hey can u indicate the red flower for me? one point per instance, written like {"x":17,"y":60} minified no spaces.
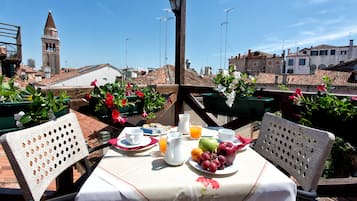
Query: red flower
{"x":117,"y":118}
{"x":259,"y":97}
{"x":144,"y":114}
{"x":129,"y":86}
{"x":354,"y":98}
{"x":298,"y":92}
{"x":109,"y":100}
{"x":292,"y":97}
{"x":321,"y":88}
{"x":94,"y":83}
{"x":87,"y":97}
{"x":123,"y":102}
{"x":139,"y":94}
{"x":208,"y":181}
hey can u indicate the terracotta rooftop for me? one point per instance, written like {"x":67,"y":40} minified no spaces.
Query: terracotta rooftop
{"x":166,"y":75}
{"x":338,"y":78}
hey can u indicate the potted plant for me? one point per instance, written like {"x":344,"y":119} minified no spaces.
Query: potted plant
{"x":234,"y":96}
{"x":337,"y":115}
{"x":114,"y":102}
{"x":26,"y":107}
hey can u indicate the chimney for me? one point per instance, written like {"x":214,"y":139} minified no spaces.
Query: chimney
{"x":239,"y":56}
{"x":350,"y":49}
{"x":274,"y":55}
{"x":288,"y":51}
{"x":249,"y":53}
{"x":297,"y":50}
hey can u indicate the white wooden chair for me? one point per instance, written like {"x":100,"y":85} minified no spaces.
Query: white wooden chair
{"x":299,"y":150}
{"x":39,"y":154}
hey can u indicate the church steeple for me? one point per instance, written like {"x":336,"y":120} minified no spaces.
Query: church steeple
{"x":50,"y":47}
{"x":50,"y":22}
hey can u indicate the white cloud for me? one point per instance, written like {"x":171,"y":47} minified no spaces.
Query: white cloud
{"x":307,"y":33}
{"x":318,"y":38}
{"x":317,"y":1}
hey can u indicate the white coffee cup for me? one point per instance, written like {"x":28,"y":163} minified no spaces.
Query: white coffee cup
{"x":134,"y":135}
{"x":226,"y":135}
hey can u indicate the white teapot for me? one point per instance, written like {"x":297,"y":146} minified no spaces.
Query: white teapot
{"x":175,"y":153}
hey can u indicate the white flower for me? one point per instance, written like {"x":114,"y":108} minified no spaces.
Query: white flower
{"x":230,"y":98}
{"x":19,"y":124}
{"x":237,"y":75}
{"x":19,"y":115}
{"x":225,"y":73}
{"x":221,"y":88}
{"x":51,"y":116}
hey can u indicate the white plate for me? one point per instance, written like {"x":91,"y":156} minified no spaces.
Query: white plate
{"x":123,"y":142}
{"x":155,"y":131}
{"x":226,"y":171}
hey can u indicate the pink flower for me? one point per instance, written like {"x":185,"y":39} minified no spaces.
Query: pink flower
{"x":139,"y":94}
{"x":321,"y":88}
{"x":128,"y":93}
{"x":117,"y":118}
{"x":144,"y":114}
{"x":354,"y":98}
{"x":208,"y":181}
{"x":109,"y":100}
{"x":292,"y":97}
{"x":94,"y":83}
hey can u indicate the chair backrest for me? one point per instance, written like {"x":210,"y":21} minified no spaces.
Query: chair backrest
{"x":300,"y":150}
{"x":40,"y":153}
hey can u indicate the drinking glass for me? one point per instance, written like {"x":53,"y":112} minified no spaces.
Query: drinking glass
{"x":195,"y":131}
{"x":163,"y":143}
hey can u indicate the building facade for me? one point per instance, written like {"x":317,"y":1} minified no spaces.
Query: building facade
{"x":323,"y":56}
{"x":256,"y":62}
{"x":298,"y":63}
{"x":50,"y":48}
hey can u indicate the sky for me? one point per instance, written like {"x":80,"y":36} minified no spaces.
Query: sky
{"x":134,"y":33}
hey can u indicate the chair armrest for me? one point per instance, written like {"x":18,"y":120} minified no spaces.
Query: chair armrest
{"x":99,"y":147}
{"x":306,"y":195}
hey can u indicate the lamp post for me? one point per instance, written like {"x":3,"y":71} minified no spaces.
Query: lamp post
{"x":225,"y":43}
{"x":126,"y":52}
{"x":179,"y":9}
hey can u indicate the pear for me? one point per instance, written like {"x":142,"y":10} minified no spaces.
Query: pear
{"x":208,"y":144}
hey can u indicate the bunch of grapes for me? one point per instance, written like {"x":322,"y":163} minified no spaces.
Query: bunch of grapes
{"x":211,"y":161}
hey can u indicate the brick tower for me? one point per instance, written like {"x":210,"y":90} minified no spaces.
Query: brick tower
{"x":50,"y":47}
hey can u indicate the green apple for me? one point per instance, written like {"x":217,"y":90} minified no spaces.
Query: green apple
{"x":208,"y":144}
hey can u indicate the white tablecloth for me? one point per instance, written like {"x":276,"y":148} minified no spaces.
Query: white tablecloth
{"x":145,"y":176}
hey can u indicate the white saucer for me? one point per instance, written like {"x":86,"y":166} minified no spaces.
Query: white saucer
{"x":124,"y":143}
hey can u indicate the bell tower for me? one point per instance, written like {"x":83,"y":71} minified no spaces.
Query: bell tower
{"x":50,"y":47}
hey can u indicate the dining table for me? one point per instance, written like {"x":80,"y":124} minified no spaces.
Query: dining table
{"x":143,"y":174}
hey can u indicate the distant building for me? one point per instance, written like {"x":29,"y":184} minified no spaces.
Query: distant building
{"x":256,"y":62}
{"x":298,"y":63}
{"x":82,"y":77}
{"x":50,"y":48}
{"x":323,"y":56}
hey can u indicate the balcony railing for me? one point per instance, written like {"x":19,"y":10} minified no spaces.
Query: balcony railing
{"x":188,"y":96}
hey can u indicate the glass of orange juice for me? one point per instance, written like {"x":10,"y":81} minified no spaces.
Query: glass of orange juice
{"x":195,"y":131}
{"x":163,"y":143}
